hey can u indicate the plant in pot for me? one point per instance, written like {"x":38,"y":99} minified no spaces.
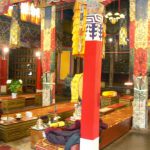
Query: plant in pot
{"x":14,"y":86}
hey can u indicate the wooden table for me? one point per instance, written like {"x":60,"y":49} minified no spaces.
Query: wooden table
{"x":10,"y":131}
{"x":18,"y":129}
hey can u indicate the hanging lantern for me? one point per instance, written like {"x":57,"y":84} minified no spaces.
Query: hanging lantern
{"x":114,"y":17}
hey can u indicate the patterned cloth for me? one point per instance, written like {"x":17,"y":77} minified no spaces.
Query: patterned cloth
{"x":4,"y":5}
{"x":48,"y":47}
{"x":79,"y":28}
{"x":45,"y":145}
{"x":140,"y":62}
{"x":75,"y":87}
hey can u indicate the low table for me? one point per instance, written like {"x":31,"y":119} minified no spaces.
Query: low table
{"x":35,"y":136}
{"x":18,"y":129}
{"x":14,"y":130}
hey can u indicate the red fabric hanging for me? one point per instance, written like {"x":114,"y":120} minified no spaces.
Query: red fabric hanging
{"x":4,"y":71}
{"x":46,"y":61}
{"x":140,"y":62}
{"x":39,"y":74}
{"x":132,"y":33}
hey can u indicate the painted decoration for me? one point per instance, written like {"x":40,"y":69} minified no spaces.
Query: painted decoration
{"x":139,"y":43}
{"x":94,"y":27}
{"x":46,"y":90}
{"x":48,"y":46}
{"x":140,"y":109}
{"x":48,"y":29}
{"x":80,"y":27}
{"x":52,"y":87}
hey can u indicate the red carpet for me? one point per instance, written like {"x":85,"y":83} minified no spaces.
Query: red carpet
{"x":6,"y":147}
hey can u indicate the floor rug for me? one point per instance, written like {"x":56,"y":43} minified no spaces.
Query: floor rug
{"x":6,"y":147}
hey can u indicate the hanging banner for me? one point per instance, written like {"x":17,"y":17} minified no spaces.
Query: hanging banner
{"x":15,"y":28}
{"x":79,"y":28}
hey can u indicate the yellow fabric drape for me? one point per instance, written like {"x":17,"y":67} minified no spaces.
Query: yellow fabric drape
{"x":123,"y":36}
{"x":75,"y":87}
{"x":14,"y":34}
{"x":79,"y":29}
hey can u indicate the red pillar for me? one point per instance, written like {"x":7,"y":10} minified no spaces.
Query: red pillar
{"x":91,"y":84}
{"x":4,"y":71}
{"x":39,"y":75}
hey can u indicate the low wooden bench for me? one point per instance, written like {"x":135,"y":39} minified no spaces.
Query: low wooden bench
{"x":126,"y":99}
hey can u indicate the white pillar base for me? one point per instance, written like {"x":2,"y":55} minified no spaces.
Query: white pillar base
{"x":86,"y":144}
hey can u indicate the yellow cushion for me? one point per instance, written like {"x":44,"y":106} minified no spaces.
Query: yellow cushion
{"x":109,"y":93}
